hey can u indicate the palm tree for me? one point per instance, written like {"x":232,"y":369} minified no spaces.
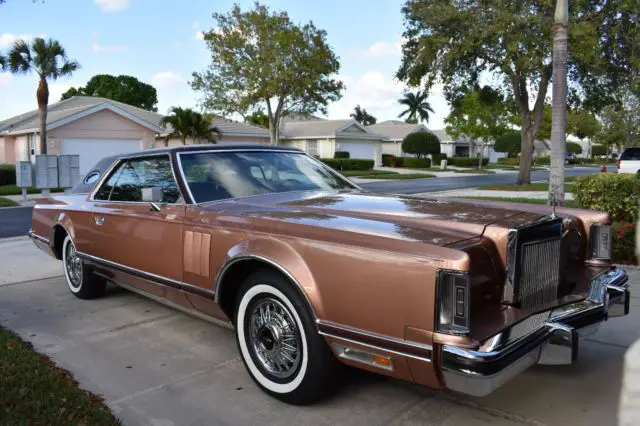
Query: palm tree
{"x":187,"y":123}
{"x":418,"y":108}
{"x":48,"y":59}
{"x":362,"y":116}
{"x":559,"y":104}
{"x":3,"y":63}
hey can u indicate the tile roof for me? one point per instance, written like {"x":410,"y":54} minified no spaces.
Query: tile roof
{"x":312,"y":128}
{"x":395,"y":129}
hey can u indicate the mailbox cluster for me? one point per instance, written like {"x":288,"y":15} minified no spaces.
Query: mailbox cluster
{"x":50,"y":171}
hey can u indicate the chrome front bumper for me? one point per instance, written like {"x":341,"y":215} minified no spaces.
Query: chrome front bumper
{"x":546,"y":338}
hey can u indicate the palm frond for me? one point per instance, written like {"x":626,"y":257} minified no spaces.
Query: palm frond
{"x":3,"y":62}
{"x":19,"y":59}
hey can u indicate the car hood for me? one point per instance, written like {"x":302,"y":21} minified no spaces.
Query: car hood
{"x":432,"y":221}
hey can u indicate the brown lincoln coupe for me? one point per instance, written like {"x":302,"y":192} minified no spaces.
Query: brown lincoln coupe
{"x":312,"y":271}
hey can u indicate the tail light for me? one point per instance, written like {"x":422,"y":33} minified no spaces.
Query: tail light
{"x":600,"y":241}
{"x":452,"y":313}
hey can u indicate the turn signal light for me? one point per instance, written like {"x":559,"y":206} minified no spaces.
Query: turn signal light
{"x":363,"y":357}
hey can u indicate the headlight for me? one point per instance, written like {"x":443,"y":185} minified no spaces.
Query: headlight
{"x":452,"y":312}
{"x":600,"y":241}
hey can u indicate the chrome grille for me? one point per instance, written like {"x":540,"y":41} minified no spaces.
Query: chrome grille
{"x":540,"y":272}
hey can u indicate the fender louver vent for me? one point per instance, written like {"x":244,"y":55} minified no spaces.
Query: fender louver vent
{"x":197,"y":246}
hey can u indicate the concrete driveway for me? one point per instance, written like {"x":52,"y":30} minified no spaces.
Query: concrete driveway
{"x":157,"y":366}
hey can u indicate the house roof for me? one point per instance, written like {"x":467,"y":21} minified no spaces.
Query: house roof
{"x":325,"y":129}
{"x":395,"y":129}
{"x":67,"y":110}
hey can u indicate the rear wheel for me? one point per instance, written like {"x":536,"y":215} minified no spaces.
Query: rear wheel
{"x":80,"y":280}
{"x":278,"y":341}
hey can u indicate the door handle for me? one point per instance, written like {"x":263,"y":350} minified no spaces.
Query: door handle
{"x":99,"y":220}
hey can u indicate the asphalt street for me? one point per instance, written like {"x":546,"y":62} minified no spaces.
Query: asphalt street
{"x":16,"y":221}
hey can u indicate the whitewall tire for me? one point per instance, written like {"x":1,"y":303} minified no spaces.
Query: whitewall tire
{"x":278,"y":342}
{"x":80,"y":280}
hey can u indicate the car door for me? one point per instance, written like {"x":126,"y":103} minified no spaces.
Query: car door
{"x":141,"y":242}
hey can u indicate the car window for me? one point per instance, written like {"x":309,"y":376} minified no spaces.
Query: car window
{"x":631,"y":154}
{"x":220,"y":175}
{"x":131,"y":176}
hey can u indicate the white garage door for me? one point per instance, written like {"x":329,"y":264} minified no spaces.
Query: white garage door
{"x":364,"y":150}
{"x":93,"y":150}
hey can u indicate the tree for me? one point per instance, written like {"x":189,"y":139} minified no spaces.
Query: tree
{"x":509,"y":143}
{"x":261,"y":58}
{"x":3,"y":63}
{"x":455,"y":42}
{"x":574,"y":148}
{"x":258,"y":118}
{"x":48,"y":59}
{"x":418,"y":108}
{"x":121,"y":88}
{"x":187,"y":123}
{"x":620,"y":123}
{"x":421,"y":144}
{"x":598,"y":150}
{"x":559,"y":104}
{"x":584,"y":125}
{"x":362,"y":116}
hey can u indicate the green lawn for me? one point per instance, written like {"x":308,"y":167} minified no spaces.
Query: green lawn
{"x":5,"y":202}
{"x":366,"y":172}
{"x":568,"y":203}
{"x":16,"y":190}
{"x":33,"y":391}
{"x":500,"y":167}
{"x":538,"y":186}
{"x":480,"y":171}
{"x":398,"y":176}
{"x":430,"y":169}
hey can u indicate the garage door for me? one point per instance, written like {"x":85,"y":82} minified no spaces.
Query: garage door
{"x":364,"y":150}
{"x":93,"y":150}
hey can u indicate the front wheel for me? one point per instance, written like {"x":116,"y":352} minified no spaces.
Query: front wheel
{"x":279,"y":343}
{"x":80,"y":280}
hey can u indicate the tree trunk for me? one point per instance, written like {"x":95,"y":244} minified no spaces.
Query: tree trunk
{"x":558,"y":114}
{"x":42,"y":94}
{"x":526,"y":151}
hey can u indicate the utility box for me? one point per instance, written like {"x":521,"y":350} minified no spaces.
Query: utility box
{"x":24,"y":174}
{"x":68,"y":170}
{"x":46,"y":171}
{"x":443,"y":164}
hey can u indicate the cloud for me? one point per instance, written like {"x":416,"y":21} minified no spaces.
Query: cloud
{"x":379,"y":95}
{"x":104,"y":48}
{"x":378,"y":49}
{"x":95,"y":33}
{"x":199,"y":35}
{"x":112,"y":5}
{"x":5,"y":79}
{"x":167,"y":78}
{"x":57,"y":89}
{"x":195,"y":25}
{"x":7,"y":39}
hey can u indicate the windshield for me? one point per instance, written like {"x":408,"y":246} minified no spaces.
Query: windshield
{"x":220,"y":175}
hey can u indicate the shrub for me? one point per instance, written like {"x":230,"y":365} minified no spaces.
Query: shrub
{"x":467,"y":161}
{"x":509,"y":161}
{"x":416,"y":163}
{"x":616,"y":194}
{"x":421,"y":144}
{"x":624,"y":242}
{"x":573,"y":147}
{"x":436,"y":159}
{"x":341,"y":154}
{"x":7,"y":174}
{"x":348,"y":163}
{"x":541,"y":161}
{"x":389,"y":160}
{"x":509,"y":143}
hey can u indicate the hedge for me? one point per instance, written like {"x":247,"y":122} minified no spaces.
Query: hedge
{"x":412,"y":162}
{"x":348,"y":163}
{"x":598,"y":150}
{"x":341,"y":154}
{"x":466,"y":161}
{"x":436,"y":159}
{"x":616,"y":194}
{"x":509,"y":161}
{"x":389,"y":160}
{"x":541,"y":161}
{"x":421,"y":143}
{"x":7,"y":174}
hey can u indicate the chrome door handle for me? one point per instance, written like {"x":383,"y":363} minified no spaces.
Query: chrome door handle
{"x":99,"y":220}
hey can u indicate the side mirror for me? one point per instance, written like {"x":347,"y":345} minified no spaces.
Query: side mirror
{"x":152,"y":195}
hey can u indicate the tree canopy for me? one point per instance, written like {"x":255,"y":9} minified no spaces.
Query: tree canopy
{"x":258,"y":118}
{"x":508,"y":143}
{"x":121,"y":88}
{"x":574,"y":148}
{"x":362,"y":116}
{"x":260,"y":58}
{"x":455,"y":42}
{"x":421,"y":144}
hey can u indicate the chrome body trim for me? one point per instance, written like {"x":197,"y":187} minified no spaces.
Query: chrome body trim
{"x":282,"y":269}
{"x":375,"y":347}
{"x":38,"y":237}
{"x":153,"y":278}
{"x":555,"y":341}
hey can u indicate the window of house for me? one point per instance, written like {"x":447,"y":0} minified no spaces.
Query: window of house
{"x":312,"y":147}
{"x":131,"y":176}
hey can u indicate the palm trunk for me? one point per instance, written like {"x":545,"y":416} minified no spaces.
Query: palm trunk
{"x":558,"y":110}
{"x":42,"y":94}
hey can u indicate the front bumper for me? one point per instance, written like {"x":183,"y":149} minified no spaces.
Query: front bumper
{"x":546,"y":338}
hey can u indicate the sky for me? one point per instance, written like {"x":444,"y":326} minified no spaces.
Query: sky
{"x":160,"y":42}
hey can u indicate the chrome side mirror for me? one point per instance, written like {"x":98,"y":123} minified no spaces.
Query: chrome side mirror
{"x":152,"y":195}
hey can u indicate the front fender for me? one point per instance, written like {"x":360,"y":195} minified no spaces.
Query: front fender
{"x":281,"y":256}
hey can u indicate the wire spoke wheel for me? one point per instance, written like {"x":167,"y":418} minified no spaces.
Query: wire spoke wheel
{"x":73,"y":265}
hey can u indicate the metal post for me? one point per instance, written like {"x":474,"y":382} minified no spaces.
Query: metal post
{"x":24,"y":194}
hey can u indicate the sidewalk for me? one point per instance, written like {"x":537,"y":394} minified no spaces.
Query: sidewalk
{"x":21,"y":261}
{"x":475,"y":192}
{"x":449,"y":173}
